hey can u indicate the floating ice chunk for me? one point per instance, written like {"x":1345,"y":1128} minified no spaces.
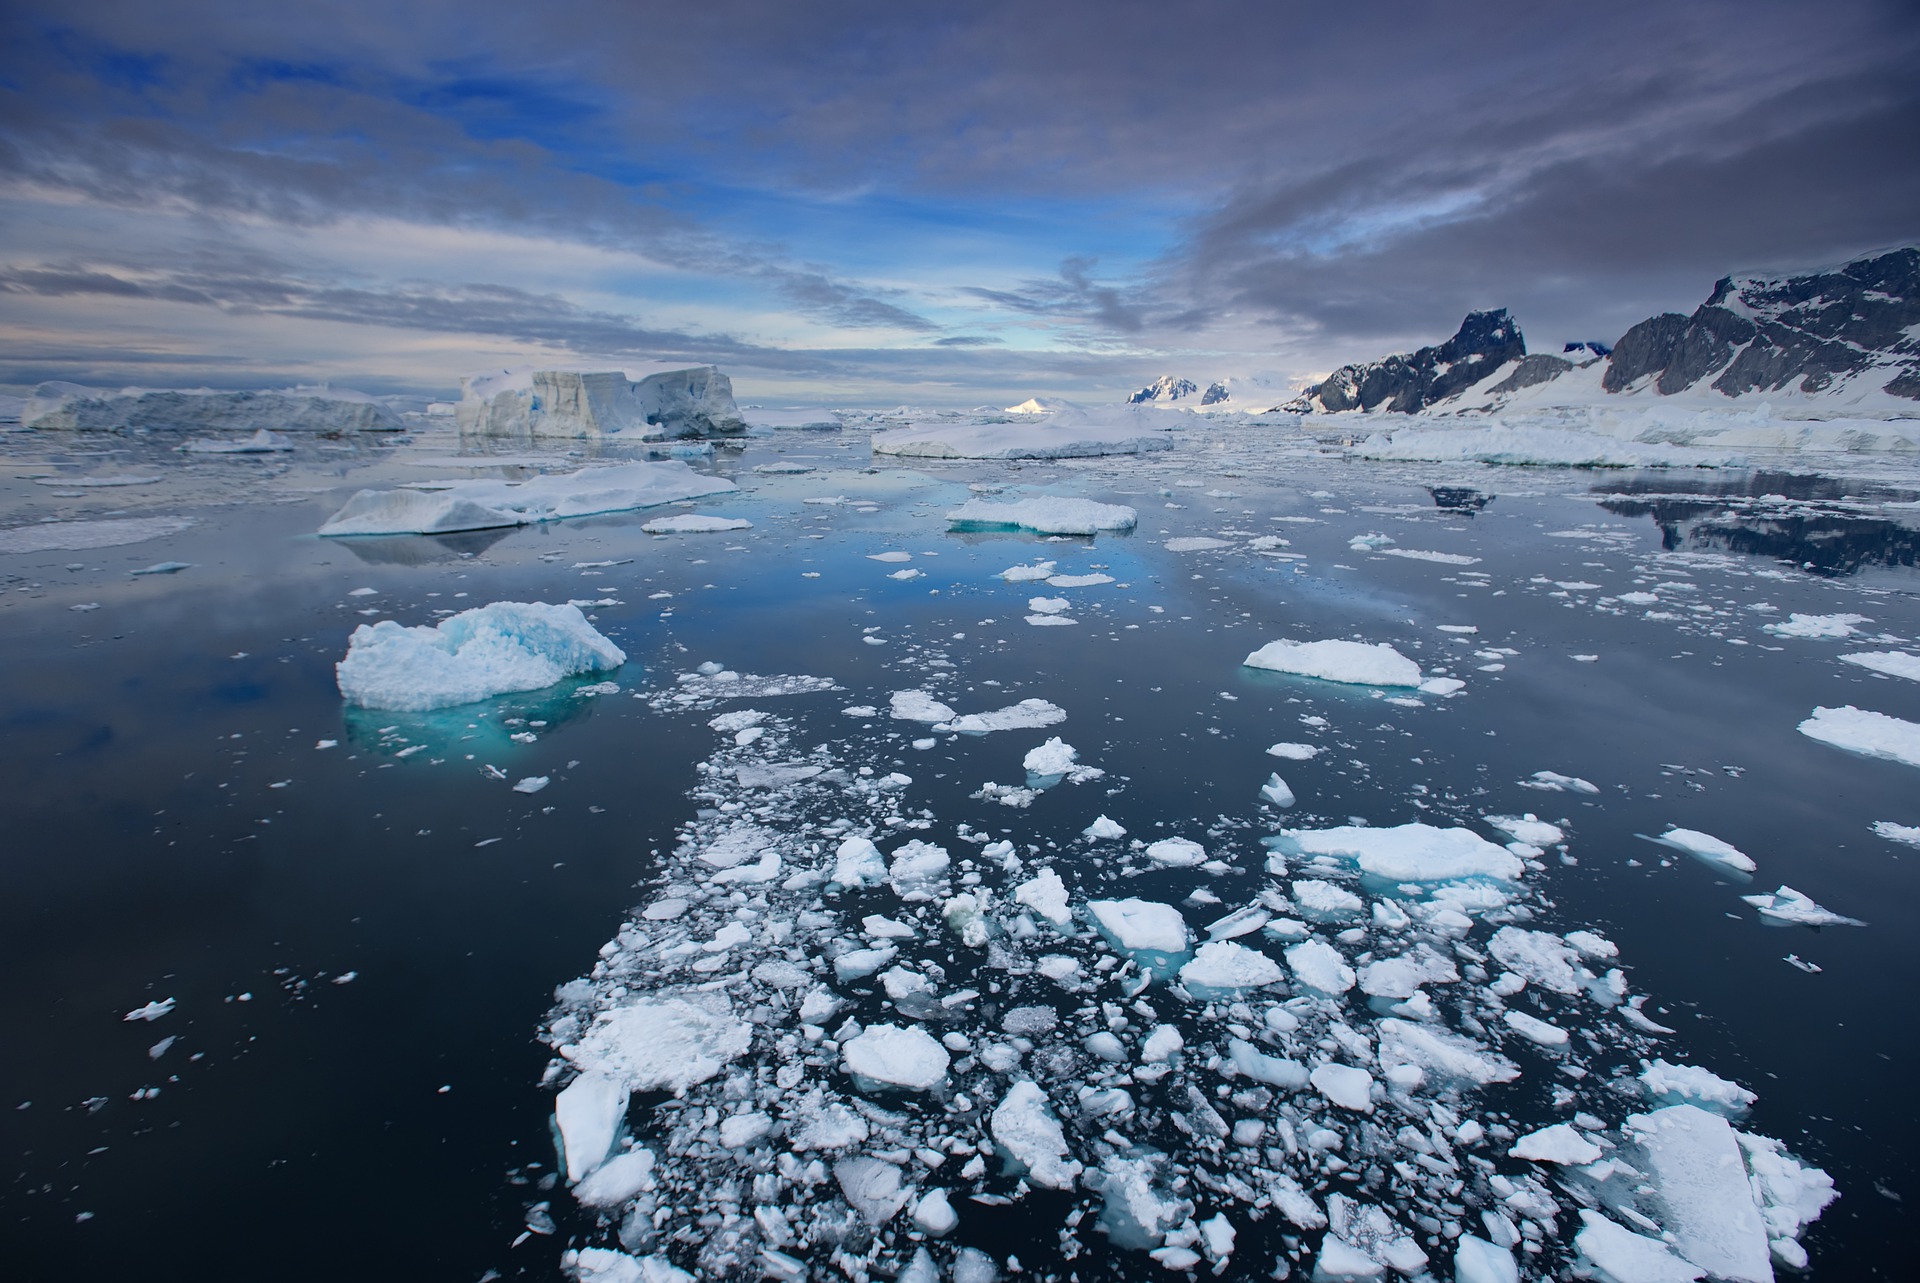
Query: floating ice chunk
{"x":1789,"y":905}
{"x":1275,"y":790}
{"x":1867,"y":733}
{"x":892,"y":556}
{"x":1078,"y":581}
{"x":604,"y":1265}
{"x":1448,"y":1055}
{"x":1177,"y":853}
{"x":662,"y":1044}
{"x":1197,"y":543}
{"x":1161,"y":1045}
{"x":1559,"y":1143}
{"x":533,"y":784}
{"x":918,"y":871}
{"x":918,"y":706}
{"x":892,"y":1056}
{"x":1353,"y":662}
{"x":1475,"y":1260}
{"x":1554,"y":782}
{"x":1535,"y":1029}
{"x":479,"y":505}
{"x":1344,"y":1085}
{"x":1409,"y":852}
{"x":1047,"y":514}
{"x":1443,"y":558}
{"x":1625,"y":1257}
{"x":588,"y":1111}
{"x":492,"y":650}
{"x":1402,"y":977}
{"x":1134,"y":1214}
{"x":81,"y":536}
{"x":162,"y":568}
{"x":1294,"y":752}
{"x":1221,"y":968}
{"x":1340,"y":1259}
{"x":873,"y":1188}
{"x":1027,"y":715}
{"x":1026,"y":1129}
{"x":858,"y":964}
{"x":1692,"y":1085}
{"x":1792,"y":1194}
{"x":1028,"y":574}
{"x":934,"y":1213}
{"x":1239,"y":923}
{"x":1538,"y":957}
{"x":1141,"y":925}
{"x":1441,"y":686}
{"x":1324,"y":901}
{"x":1055,"y":757}
{"x":1103,"y":829}
{"x":1047,"y":605}
{"x":1373,"y":1232}
{"x":1051,"y":621}
{"x":1706,"y":847}
{"x":1320,"y":966}
{"x":1694,"y":1161}
{"x":858,"y":862}
{"x":617,"y":1179}
{"x":1275,"y":1071}
{"x":152,"y":1011}
{"x":1818,"y":627}
{"x":1528,"y":828}
{"x":744,"y":1130}
{"x":826,"y":1125}
{"x":1046,"y":895}
{"x":1894,"y":663}
{"x":1907,"y":833}
{"x":693,"y":523}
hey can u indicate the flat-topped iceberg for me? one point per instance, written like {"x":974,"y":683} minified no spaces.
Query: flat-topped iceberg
{"x":1408,"y":852}
{"x":1867,"y":733}
{"x":1065,"y":435}
{"x":694,"y":402}
{"x":491,"y":650}
{"x":70,"y":407}
{"x":482,"y":505}
{"x":1356,"y":663}
{"x":1047,"y":514}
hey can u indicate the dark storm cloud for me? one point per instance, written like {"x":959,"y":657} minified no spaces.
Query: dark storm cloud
{"x":1344,"y":173}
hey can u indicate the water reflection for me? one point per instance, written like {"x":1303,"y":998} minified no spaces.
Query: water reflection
{"x":1828,"y":526}
{"x":421,"y":550}
{"x":1461,"y":499}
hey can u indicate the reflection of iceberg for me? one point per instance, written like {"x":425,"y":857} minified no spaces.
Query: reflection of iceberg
{"x":421,"y":550}
{"x":492,"y":650}
{"x":485,"y":730}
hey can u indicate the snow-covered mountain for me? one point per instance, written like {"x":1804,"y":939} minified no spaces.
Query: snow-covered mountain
{"x":1165,"y":390}
{"x":1485,"y":342}
{"x":1842,"y":338}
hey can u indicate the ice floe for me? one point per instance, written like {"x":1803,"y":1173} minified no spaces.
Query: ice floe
{"x":1357,"y":663}
{"x":1787,"y":905}
{"x":479,"y":505}
{"x":1708,"y":849}
{"x":491,"y":650}
{"x":1865,"y":732}
{"x":1047,"y":514}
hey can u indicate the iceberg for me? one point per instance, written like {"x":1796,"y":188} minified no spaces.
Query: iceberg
{"x":1338,"y":661}
{"x":1867,"y":733}
{"x":1413,"y":852}
{"x":1047,"y":514}
{"x":491,"y":650}
{"x":694,"y":402}
{"x":479,"y":505}
{"x":1789,"y":905}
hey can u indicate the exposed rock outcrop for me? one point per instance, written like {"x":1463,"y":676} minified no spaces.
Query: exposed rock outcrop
{"x":1164,"y":390}
{"x":1414,"y":381}
{"x":696,"y":402}
{"x":1757,"y":334}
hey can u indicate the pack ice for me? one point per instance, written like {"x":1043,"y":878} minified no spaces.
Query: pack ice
{"x":491,"y":650}
{"x":1047,"y":514}
{"x":906,"y":1034}
{"x":1062,"y":435}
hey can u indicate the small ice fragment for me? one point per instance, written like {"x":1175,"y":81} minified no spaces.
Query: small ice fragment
{"x":1535,"y":1029}
{"x":1275,"y":790}
{"x":1294,"y":752}
{"x":1176,"y":853}
{"x":1818,"y":627}
{"x":152,"y":1011}
{"x":1103,"y":829}
{"x":1046,"y":895}
{"x":1559,"y":1143}
{"x":1789,"y":905}
{"x":1345,"y":1085}
{"x":1706,"y":847}
{"x":532,"y":784}
{"x":934,"y":1213}
{"x":1690,"y":1084}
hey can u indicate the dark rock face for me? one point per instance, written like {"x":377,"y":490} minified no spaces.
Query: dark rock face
{"x":1164,"y":388}
{"x":1756,"y":335}
{"x":1534,"y":370}
{"x":1215,"y":394}
{"x":1485,"y":341}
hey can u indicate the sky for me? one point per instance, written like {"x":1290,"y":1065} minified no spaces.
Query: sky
{"x":928,"y":203}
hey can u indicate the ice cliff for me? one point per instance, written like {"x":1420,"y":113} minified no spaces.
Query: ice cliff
{"x":695,"y":402}
{"x":72,"y":407}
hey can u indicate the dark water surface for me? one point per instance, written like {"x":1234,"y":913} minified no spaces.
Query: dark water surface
{"x":172,"y":831}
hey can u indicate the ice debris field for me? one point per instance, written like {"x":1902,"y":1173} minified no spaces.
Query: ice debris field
{"x":963,"y":961}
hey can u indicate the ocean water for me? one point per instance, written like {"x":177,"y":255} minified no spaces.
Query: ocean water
{"x":363,"y":942}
